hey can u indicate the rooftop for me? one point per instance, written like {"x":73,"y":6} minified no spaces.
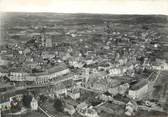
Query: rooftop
{"x":64,"y":77}
{"x":57,"y":68}
{"x":139,"y":85}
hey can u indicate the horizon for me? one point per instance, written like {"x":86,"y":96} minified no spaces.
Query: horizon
{"x":3,"y":12}
{"x":87,"y":6}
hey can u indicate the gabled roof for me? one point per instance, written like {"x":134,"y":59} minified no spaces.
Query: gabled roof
{"x":139,"y":85}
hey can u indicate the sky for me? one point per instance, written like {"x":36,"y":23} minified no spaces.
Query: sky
{"x":87,"y":6}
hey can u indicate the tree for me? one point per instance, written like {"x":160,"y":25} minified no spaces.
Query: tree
{"x":58,"y":105}
{"x":15,"y":105}
{"x":43,"y":98}
{"x":27,"y":100}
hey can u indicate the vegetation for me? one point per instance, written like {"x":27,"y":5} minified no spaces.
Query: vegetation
{"x":27,"y":100}
{"x":58,"y":105}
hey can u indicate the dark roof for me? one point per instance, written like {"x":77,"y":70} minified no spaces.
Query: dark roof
{"x":107,"y":93}
{"x":66,"y":76}
{"x":57,"y":68}
{"x":139,"y":84}
{"x":3,"y":70}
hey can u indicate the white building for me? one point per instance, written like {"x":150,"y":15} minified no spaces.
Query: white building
{"x":18,"y":76}
{"x":34,"y":104}
{"x":138,"y":90}
{"x":131,"y":108}
{"x":50,"y":73}
{"x":69,"y":109}
{"x":3,"y":73}
{"x":3,"y":62}
{"x":48,"y":42}
{"x":160,"y":64}
{"x":162,"y":67}
{"x":76,"y":64}
{"x":117,"y":71}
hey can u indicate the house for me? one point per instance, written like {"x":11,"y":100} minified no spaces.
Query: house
{"x":160,"y":65}
{"x":26,"y":51}
{"x":59,"y":90}
{"x":163,"y":67}
{"x":69,"y":109}
{"x":81,"y":106}
{"x":130,"y":108}
{"x":138,"y":90}
{"x":46,"y":55}
{"x":49,"y":42}
{"x":74,"y":94}
{"x":58,"y":70}
{"x":4,"y":104}
{"x":78,"y":80}
{"x":90,"y":113}
{"x":3,"y":72}
{"x":121,"y":89}
{"x":3,"y":62}
{"x":34,"y":104}
{"x":18,"y":97}
{"x":84,"y":111}
{"x":106,"y":97}
{"x":18,"y":76}
{"x":76,"y":64}
{"x":51,"y":73}
{"x":7,"y":97}
{"x":123,"y":61}
{"x":67,"y":56}
{"x":100,"y":85}
{"x":117,"y":71}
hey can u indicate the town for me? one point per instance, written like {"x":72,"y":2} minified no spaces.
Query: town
{"x":83,"y":67}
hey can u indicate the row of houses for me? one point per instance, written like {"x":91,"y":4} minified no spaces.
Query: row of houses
{"x":49,"y":74}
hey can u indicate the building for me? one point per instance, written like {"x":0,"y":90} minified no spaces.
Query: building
{"x":117,"y":71}
{"x":3,"y":62}
{"x":59,"y":90}
{"x":76,"y":64}
{"x":3,"y":72}
{"x":99,"y":86}
{"x":81,"y":106}
{"x":121,"y":89}
{"x":5,"y":104}
{"x":7,"y":97}
{"x":162,"y":67}
{"x":58,"y":70}
{"x":48,"y":42}
{"x":69,"y":109}
{"x":74,"y":94}
{"x":83,"y":110}
{"x":138,"y":90}
{"x":47,"y":55}
{"x":34,"y":104}
{"x":106,"y":97}
{"x":90,"y":113}
{"x":19,"y":76}
{"x":131,"y":108}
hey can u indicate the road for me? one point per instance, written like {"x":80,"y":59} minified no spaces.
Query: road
{"x":45,"y":112}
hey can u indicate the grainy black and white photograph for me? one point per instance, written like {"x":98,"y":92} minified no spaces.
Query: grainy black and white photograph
{"x":84,"y":58}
